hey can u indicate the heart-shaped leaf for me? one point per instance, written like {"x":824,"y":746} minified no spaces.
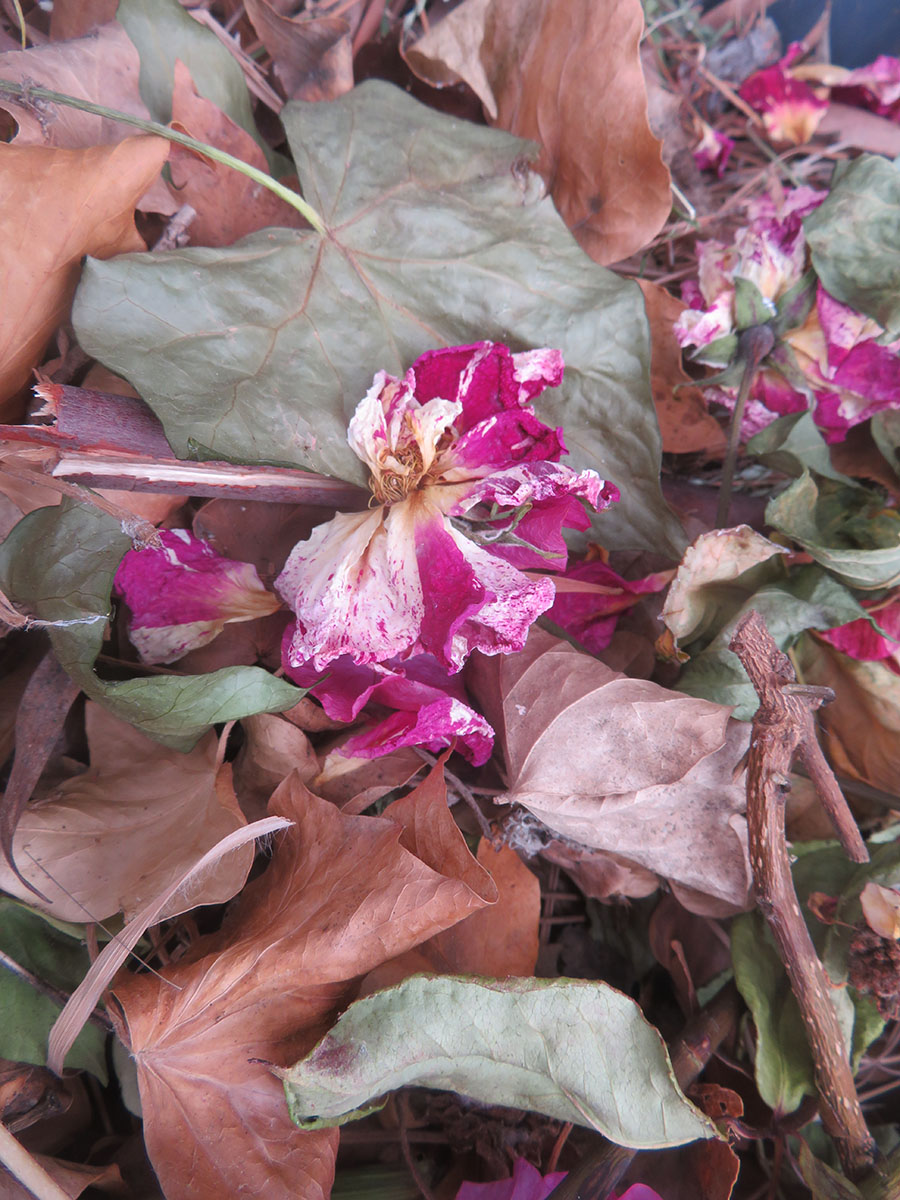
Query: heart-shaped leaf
{"x":438,"y":233}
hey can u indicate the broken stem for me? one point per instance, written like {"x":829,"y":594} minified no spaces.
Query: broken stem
{"x":783,"y":726}
{"x":755,"y":343}
{"x":28,"y":92}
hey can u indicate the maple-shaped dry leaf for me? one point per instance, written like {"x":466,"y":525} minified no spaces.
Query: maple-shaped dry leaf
{"x":57,"y":206}
{"x":228,"y":204}
{"x":103,"y":68}
{"x":110,"y":839}
{"x":312,"y":53}
{"x":499,"y":941}
{"x":623,"y":765}
{"x":342,"y":895}
{"x":569,"y":76}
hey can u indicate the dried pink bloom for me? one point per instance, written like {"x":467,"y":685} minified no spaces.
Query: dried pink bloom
{"x":183,"y":595}
{"x":469,"y":490}
{"x":842,"y":371}
{"x":431,"y":707}
{"x":791,"y":108}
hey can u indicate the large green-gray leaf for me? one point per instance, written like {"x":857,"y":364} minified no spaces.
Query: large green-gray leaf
{"x":58,"y":959}
{"x":794,"y":444}
{"x":162,"y":32}
{"x":854,"y":237}
{"x":849,"y":530}
{"x":58,"y":565}
{"x":439,"y":234}
{"x":808,"y":599}
{"x":574,"y":1050}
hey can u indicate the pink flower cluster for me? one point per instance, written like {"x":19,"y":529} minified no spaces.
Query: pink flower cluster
{"x":791,"y":99}
{"x":832,"y":362}
{"x":389,"y":603}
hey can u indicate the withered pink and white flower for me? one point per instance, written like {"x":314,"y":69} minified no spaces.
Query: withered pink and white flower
{"x":183,"y":594}
{"x":838,"y":366}
{"x":469,"y":490}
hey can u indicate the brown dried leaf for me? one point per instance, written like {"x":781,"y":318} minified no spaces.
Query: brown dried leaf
{"x":622,"y":765}
{"x":342,"y":895}
{"x":45,"y":704}
{"x":862,"y":129}
{"x":881,"y":908}
{"x":686,"y":425}
{"x":601,"y":875}
{"x":74,"y":18}
{"x":228,"y":204}
{"x":355,"y":783}
{"x":569,"y":76}
{"x":312,"y":53}
{"x":103,"y":69}
{"x":272,"y":749}
{"x":57,"y":206}
{"x":72,"y":1178}
{"x":111,"y":838}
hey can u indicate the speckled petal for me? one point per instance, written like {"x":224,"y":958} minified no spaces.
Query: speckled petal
{"x":442,"y":723}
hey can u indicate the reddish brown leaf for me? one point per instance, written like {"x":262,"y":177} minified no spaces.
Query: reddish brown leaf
{"x":686,"y":425}
{"x":59,"y":205}
{"x":312,"y":54}
{"x":623,"y":765}
{"x":342,"y":895}
{"x":45,"y":703}
{"x":569,"y":76}
{"x":228,"y":204}
{"x":74,"y":18}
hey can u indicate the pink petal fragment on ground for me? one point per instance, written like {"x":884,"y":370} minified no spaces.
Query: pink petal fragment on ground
{"x":525,"y":1183}
{"x":182,"y":595}
{"x":442,"y":723}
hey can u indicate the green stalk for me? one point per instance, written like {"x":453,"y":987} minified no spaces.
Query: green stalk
{"x":26,"y":92}
{"x":753,"y":346}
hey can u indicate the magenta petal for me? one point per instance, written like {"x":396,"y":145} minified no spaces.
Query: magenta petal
{"x":451,"y":591}
{"x":860,"y":640}
{"x":183,"y":594}
{"x":505,"y":438}
{"x":591,"y":617}
{"x":526,"y":1183}
{"x":442,"y":723}
{"x":640,"y":1191}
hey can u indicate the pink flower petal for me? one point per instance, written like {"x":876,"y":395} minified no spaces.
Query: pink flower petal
{"x":442,"y":723}
{"x":591,"y":617}
{"x":713,"y":150}
{"x":790,"y":109}
{"x":526,"y":1183}
{"x":875,"y":87}
{"x":182,"y":595}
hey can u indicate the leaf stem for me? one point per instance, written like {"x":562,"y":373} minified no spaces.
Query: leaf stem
{"x":755,"y":343}
{"x":27,"y":92}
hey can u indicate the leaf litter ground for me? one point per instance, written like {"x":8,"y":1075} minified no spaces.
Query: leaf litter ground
{"x":512,"y":943}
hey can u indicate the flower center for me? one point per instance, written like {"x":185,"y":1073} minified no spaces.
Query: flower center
{"x":392,"y":485}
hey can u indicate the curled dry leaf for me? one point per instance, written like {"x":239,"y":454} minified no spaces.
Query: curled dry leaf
{"x":498,"y":942}
{"x":272,"y":749}
{"x":312,"y":53}
{"x":687,"y":427}
{"x":623,"y":765}
{"x":110,"y":839}
{"x":881,"y":908}
{"x":228,"y":204}
{"x":342,"y":895}
{"x":532,"y":64}
{"x":59,"y":205}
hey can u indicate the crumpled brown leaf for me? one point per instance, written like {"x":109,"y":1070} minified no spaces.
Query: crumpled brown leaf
{"x":228,"y":204}
{"x":686,"y":425}
{"x":59,"y":205}
{"x":623,"y":765}
{"x":342,"y":895}
{"x":312,"y":52}
{"x":569,"y":76}
{"x":271,"y":750}
{"x":110,"y":839}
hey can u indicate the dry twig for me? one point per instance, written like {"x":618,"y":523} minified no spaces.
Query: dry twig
{"x":783,"y":726}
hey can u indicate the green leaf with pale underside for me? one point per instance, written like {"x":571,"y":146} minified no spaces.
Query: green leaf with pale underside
{"x":58,"y":565}
{"x":574,"y":1050}
{"x":854,"y":237}
{"x":439,"y":234}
